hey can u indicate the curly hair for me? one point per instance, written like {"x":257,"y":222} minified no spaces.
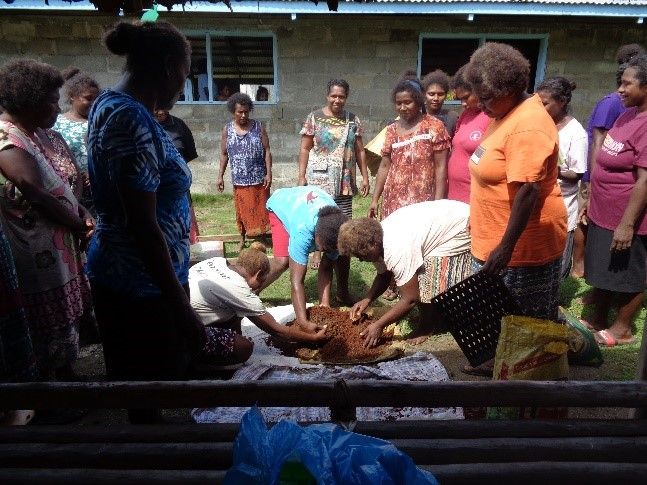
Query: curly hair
{"x":639,"y":64}
{"x":76,"y":82}
{"x":459,"y":81}
{"x":627,"y":51}
{"x":147,"y":46}
{"x":327,"y":229}
{"x":241,"y":99}
{"x":496,"y":70}
{"x":438,"y":77}
{"x":254,"y":260}
{"x":559,"y":88}
{"x":360,"y":237}
{"x":25,"y":85}
{"x":341,"y":83}
{"x":411,"y":86}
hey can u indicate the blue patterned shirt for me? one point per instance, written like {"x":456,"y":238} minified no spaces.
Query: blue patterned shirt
{"x":127,"y":145}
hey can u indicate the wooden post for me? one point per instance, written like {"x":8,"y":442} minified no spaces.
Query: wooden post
{"x":641,"y":374}
{"x":342,"y":411}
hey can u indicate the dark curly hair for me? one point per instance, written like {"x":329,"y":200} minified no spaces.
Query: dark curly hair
{"x":436,"y":77}
{"x":25,"y":85}
{"x":496,"y":70}
{"x":76,"y":82}
{"x":341,"y":83}
{"x":411,"y":86}
{"x":559,"y":88}
{"x":639,"y":63}
{"x":359,"y":237}
{"x":459,"y":81}
{"x":327,"y":229}
{"x":146,"y":46}
{"x":627,"y":51}
{"x":241,"y":99}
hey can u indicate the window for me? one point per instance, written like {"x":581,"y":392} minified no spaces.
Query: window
{"x":223,"y":64}
{"x":449,"y":52}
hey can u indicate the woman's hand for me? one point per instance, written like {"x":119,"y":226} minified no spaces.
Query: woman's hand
{"x":301,"y":336}
{"x":372,"y":209}
{"x":267,"y":181}
{"x":498,"y":260}
{"x":359,"y":308}
{"x":307,"y":326}
{"x":86,"y":233}
{"x":302,"y":181}
{"x":582,"y":216}
{"x":622,"y":237}
{"x":221,"y":183}
{"x":372,"y":335}
{"x":364,"y":190}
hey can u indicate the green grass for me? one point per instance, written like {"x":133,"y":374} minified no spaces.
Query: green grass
{"x":216,"y":215}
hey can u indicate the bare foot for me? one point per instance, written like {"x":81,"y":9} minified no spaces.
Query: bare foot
{"x":417,"y":340}
{"x":315,"y":260}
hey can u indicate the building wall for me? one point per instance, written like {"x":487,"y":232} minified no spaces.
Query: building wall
{"x":368,"y":51}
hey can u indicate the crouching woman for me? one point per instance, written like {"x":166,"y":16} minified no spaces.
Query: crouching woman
{"x":222,"y":293}
{"x":425,"y":247}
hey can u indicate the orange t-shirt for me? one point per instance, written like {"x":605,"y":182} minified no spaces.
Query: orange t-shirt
{"x":521,"y":147}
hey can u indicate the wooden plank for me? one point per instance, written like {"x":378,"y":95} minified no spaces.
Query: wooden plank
{"x":95,"y":476}
{"x":641,"y":374}
{"x":430,"y":429}
{"x":218,"y":456}
{"x":540,"y":473}
{"x":206,"y":393}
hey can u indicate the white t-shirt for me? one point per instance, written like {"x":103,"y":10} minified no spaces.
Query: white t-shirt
{"x":415,"y":232}
{"x":573,"y":154}
{"x":219,"y":294}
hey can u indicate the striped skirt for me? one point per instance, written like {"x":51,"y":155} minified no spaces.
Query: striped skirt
{"x":441,"y":273}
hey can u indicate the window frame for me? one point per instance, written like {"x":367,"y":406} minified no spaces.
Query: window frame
{"x":209,"y":34}
{"x":541,"y":58}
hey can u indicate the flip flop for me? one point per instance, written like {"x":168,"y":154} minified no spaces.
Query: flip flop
{"x":607,"y":339}
{"x":477,"y":371}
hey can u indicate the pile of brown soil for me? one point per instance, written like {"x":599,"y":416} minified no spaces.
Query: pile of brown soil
{"x":345,"y":343}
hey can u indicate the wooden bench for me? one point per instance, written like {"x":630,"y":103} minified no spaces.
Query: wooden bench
{"x":456,"y":451}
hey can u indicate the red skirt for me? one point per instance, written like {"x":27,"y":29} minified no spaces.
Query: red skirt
{"x":251,"y":213}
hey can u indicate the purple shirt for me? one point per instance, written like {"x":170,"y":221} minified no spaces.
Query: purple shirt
{"x":603,"y":117}
{"x":614,"y":177}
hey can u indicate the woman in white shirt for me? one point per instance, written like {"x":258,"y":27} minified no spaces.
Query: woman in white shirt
{"x":555,"y":93}
{"x":425,"y":247}
{"x":222,"y":293}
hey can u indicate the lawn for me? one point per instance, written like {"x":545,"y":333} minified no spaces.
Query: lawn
{"x":216,"y":215}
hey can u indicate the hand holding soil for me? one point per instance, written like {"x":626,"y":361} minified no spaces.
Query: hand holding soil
{"x":372,"y":335}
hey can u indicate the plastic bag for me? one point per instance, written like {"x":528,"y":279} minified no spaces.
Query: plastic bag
{"x":331,"y":455}
{"x":534,"y":350}
{"x":582,"y":347}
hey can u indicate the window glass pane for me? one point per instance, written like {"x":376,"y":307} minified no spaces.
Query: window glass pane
{"x":446,"y":54}
{"x":530,"y":50}
{"x":243,"y":64}
{"x":196,"y":87}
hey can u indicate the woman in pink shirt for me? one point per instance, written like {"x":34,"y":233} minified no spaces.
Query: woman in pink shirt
{"x":616,"y":246}
{"x":470,"y":129}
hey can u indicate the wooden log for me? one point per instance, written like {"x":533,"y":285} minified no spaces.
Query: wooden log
{"x":162,"y":456}
{"x":429,"y":429}
{"x":10,"y":476}
{"x":540,"y":473}
{"x":49,"y":395}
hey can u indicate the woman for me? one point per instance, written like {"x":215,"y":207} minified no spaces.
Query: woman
{"x":436,"y":86}
{"x":138,"y":259}
{"x":555,"y":94}
{"x":222,"y":293}
{"x":470,"y":128}
{"x":331,"y":146}
{"x":183,"y":140}
{"x":425,"y":247}
{"x":245,"y":145}
{"x":617,"y":229}
{"x":81,"y":90}
{"x":517,"y":215}
{"x":41,"y":217}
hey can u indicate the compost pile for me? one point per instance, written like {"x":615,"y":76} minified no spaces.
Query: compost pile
{"x":344,"y":345}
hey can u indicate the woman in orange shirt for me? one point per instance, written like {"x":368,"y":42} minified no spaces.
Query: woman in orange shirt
{"x":517,"y":216}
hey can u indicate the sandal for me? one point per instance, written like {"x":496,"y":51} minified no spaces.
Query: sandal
{"x":606,"y":339}
{"x":479,"y":370}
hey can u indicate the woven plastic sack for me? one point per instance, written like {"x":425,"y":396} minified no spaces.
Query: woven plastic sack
{"x":530,"y":349}
{"x":330,"y":454}
{"x":582,"y":347}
